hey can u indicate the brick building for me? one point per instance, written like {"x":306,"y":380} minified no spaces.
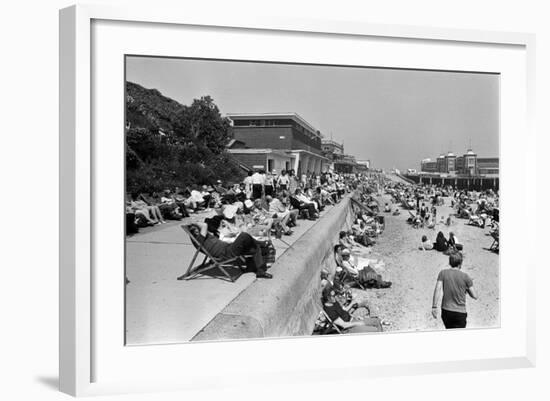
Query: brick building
{"x":277,"y":140}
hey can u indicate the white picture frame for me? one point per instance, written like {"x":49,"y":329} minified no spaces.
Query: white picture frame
{"x":82,"y":344}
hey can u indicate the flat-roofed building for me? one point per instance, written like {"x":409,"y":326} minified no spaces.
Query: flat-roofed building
{"x":284,"y":132}
{"x":468,"y":164}
{"x":488,"y":165}
{"x":428,"y":166}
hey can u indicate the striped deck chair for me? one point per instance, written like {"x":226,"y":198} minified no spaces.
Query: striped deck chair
{"x":209,"y":262}
{"x":327,"y":326}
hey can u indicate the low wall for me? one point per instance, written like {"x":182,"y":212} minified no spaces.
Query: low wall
{"x":288,"y":304}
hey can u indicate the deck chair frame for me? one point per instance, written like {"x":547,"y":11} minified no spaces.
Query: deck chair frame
{"x":209,"y":262}
{"x":344,"y":274}
{"x":331,"y":324}
{"x":495,"y":245}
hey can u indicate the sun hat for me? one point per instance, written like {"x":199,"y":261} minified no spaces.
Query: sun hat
{"x":346,"y":251}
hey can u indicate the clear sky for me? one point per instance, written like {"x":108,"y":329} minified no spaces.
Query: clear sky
{"x":395,"y":118}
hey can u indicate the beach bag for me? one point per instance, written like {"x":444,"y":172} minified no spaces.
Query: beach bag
{"x":268,"y":251}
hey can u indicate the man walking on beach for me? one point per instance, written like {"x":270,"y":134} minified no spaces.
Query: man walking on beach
{"x":454,"y":284}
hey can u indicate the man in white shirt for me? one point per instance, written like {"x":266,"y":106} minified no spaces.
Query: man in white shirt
{"x":257,"y":184}
{"x":282,"y":181}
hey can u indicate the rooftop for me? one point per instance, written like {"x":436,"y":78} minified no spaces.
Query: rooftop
{"x":290,"y":115}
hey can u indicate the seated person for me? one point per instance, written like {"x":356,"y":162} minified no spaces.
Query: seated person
{"x":281,"y":213}
{"x":349,"y":243}
{"x":169,"y":207}
{"x":180,"y":200}
{"x":325,"y":196}
{"x":387,"y":208}
{"x":303,"y":198}
{"x":152,"y":212}
{"x":453,"y":242}
{"x":441,"y":243}
{"x":347,"y":263}
{"x":426,"y":245}
{"x":361,"y":233}
{"x":261,"y":218}
{"x":139,"y":216}
{"x":343,"y":319}
{"x":244,"y":245}
{"x":196,"y":198}
{"x":315,"y":197}
{"x":308,"y":208}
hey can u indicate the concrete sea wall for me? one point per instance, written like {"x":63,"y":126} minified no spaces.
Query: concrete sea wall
{"x":288,"y":304}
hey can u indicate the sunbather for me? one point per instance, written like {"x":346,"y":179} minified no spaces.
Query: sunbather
{"x":343,"y":319}
{"x":243,"y":245}
{"x":151,"y":211}
{"x":426,"y":245}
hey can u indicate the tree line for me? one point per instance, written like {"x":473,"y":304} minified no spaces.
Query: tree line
{"x":169,"y":144}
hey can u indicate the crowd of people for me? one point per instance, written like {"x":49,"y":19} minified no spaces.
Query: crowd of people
{"x":480,"y":208}
{"x":267,"y":204}
{"x":245,"y":215}
{"x":277,"y":192}
{"x":353,"y":267}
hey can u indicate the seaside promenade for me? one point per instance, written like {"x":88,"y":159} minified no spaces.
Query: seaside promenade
{"x":163,"y":310}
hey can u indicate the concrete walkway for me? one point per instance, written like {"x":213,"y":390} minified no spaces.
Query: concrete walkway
{"x":163,"y":310}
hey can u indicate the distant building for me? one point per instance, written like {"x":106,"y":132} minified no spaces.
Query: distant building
{"x":468,"y":164}
{"x":277,"y":140}
{"x":332,"y":148}
{"x":428,"y":166}
{"x":488,"y":165}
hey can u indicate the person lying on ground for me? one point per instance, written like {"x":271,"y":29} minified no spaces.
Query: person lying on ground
{"x":343,"y":319}
{"x":450,"y":291}
{"x":244,"y":245}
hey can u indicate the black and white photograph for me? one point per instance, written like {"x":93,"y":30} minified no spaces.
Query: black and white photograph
{"x":273,"y":200}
